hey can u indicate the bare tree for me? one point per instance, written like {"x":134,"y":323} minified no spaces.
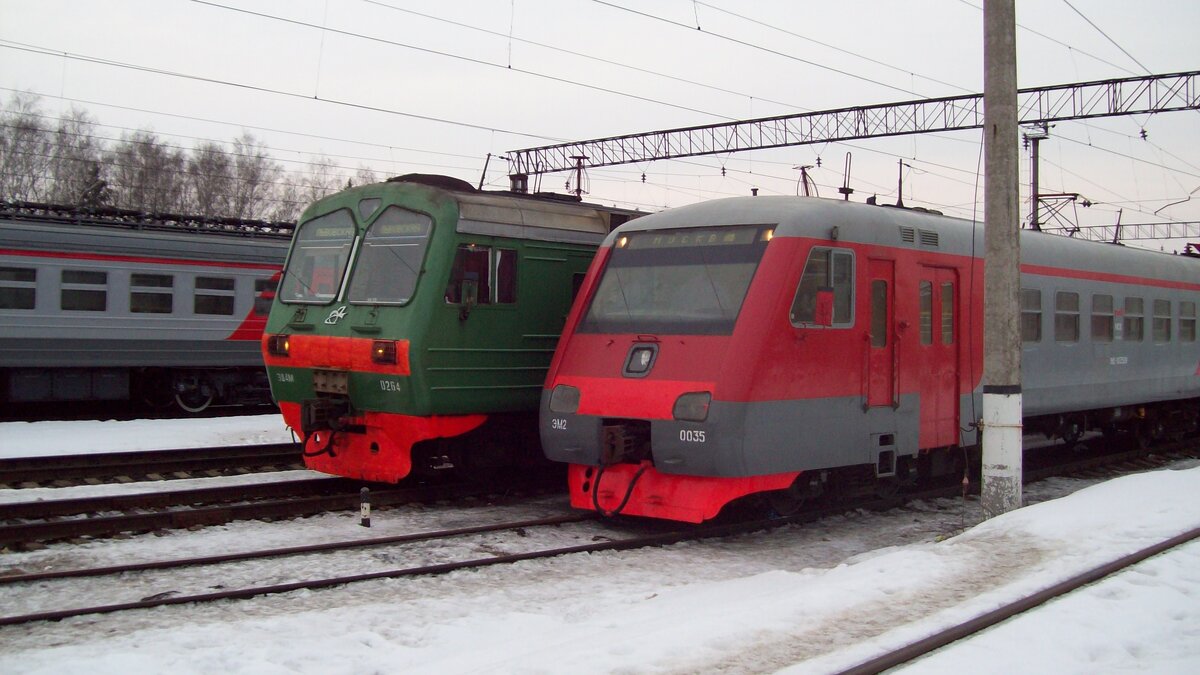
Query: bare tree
{"x":210,"y":180}
{"x":255,"y":175}
{"x":323,"y":178}
{"x":365,"y":176}
{"x":25,"y":149}
{"x":147,"y":174}
{"x":75,"y":163}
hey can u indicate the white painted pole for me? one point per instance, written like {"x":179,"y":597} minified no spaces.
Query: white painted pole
{"x":1002,"y":461}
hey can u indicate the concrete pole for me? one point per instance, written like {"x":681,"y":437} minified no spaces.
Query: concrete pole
{"x":1002,"y":465}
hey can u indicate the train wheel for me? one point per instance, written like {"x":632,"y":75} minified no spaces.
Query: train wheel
{"x":194,"y":401}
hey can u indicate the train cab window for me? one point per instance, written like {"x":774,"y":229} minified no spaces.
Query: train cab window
{"x":214,"y":296}
{"x":1161,"y":325}
{"x":84,"y":291}
{"x":1135,"y":320}
{"x":1102,"y":318}
{"x":494,"y":272}
{"x":18,"y":287}
{"x":151,"y":293}
{"x":389,"y":262}
{"x":1066,"y":317}
{"x":1031,"y":315}
{"x":264,"y":293}
{"x":1187,"y":321}
{"x":317,"y":262}
{"x":826,"y":291}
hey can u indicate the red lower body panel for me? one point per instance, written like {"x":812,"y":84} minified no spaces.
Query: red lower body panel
{"x":692,"y":499}
{"x":382,"y":452}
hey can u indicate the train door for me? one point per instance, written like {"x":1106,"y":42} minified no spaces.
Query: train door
{"x":881,"y":349}
{"x":938,"y":362}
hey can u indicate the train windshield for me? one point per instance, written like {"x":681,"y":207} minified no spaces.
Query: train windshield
{"x":318,"y":259}
{"x":675,"y":282}
{"x":390,"y":259}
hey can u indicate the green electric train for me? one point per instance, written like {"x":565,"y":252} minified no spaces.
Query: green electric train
{"x":415,"y":320}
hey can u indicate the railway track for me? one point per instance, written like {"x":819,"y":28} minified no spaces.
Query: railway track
{"x":654,"y":538}
{"x":41,"y":521}
{"x":125,"y":467}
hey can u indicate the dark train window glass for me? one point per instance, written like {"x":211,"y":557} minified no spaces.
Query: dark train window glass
{"x":84,"y":291}
{"x":1162,"y":321}
{"x":264,"y":293}
{"x":879,"y":318}
{"x":676,"y":282}
{"x":1135,"y":318}
{"x":214,"y":296}
{"x":827,"y":271}
{"x":317,"y":262}
{"x":22,"y":274}
{"x":1187,"y":321}
{"x":151,"y":293}
{"x":18,"y":287}
{"x":926,"y":307}
{"x":215,"y":283}
{"x":84,"y":277}
{"x":389,"y":260}
{"x":1102,"y":318}
{"x":506,"y":276}
{"x":1031,"y":315}
{"x":1066,"y":317}
{"x":947,"y":313}
{"x":471,"y":263}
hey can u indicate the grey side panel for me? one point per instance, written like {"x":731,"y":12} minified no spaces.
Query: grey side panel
{"x":92,"y":353}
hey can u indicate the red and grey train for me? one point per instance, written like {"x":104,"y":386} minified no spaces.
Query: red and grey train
{"x":786,"y":347}
{"x":113,"y":305}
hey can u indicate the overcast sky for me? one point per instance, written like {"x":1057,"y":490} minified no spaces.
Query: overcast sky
{"x":434,"y":87}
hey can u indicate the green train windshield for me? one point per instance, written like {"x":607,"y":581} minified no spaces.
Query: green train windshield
{"x":318,"y":260}
{"x":390,"y":260}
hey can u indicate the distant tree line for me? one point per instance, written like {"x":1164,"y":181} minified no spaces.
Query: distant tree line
{"x":66,"y":160}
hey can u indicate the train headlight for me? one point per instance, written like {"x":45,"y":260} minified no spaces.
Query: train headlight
{"x":692,"y":406}
{"x":564,"y":399}
{"x":383,"y":351}
{"x":279,"y":345}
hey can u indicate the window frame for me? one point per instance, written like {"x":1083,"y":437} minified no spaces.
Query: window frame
{"x":141,"y":290}
{"x":805,"y":290}
{"x":1102,"y":319}
{"x":1160,"y":324}
{"x":18,"y":289}
{"x":80,"y":289}
{"x":1066,"y":318}
{"x":1029,"y":312}
{"x":1130,"y":319}
{"x":214,"y":294}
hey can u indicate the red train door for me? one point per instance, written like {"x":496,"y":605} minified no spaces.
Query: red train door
{"x":881,"y":348}
{"x":937,"y":370}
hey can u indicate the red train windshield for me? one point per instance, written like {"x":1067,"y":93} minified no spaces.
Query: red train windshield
{"x":677,"y":282}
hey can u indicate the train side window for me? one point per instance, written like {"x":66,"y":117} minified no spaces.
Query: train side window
{"x":264,"y":294}
{"x":18,"y":287}
{"x":151,"y":293}
{"x":926,"y":293}
{"x":214,"y":295}
{"x":471,"y":263}
{"x":826,"y":292}
{"x":84,"y":291}
{"x":947,"y":313}
{"x":506,"y":275}
{"x":1187,"y":321}
{"x":1102,"y":318}
{"x":879,"y":322}
{"x":1135,"y":318}
{"x":1161,"y":325}
{"x":1031,"y":315}
{"x":1066,"y":317}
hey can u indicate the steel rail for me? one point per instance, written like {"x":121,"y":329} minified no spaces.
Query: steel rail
{"x":920,"y":648}
{"x":25,"y":469}
{"x":218,"y":515}
{"x":296,"y":550}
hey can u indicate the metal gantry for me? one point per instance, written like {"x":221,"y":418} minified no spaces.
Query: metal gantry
{"x":1082,"y":100}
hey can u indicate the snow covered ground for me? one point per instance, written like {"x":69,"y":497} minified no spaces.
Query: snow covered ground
{"x":803,"y":599}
